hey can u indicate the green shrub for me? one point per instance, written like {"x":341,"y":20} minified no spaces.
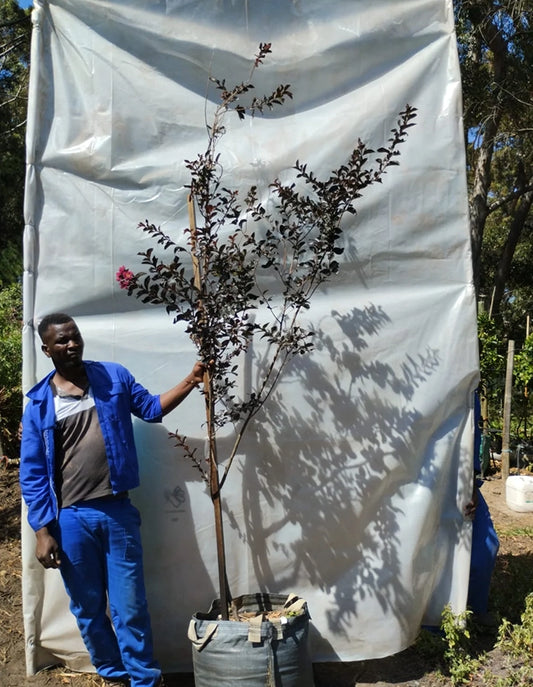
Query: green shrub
{"x":10,"y":367}
{"x":459,"y":663}
{"x":517,"y":640}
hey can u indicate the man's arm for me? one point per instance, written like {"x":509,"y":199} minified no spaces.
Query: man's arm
{"x":34,"y":475}
{"x":173,"y":397}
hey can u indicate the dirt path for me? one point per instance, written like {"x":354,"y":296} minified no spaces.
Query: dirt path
{"x":505,"y":518}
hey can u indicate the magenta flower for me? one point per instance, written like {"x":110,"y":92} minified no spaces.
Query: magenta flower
{"x":124,"y":277}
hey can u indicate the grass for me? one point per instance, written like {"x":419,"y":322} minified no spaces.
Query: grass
{"x":513,"y":576}
{"x":467,"y":654}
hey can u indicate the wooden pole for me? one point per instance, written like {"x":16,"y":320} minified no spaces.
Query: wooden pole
{"x":214,"y":485}
{"x":526,"y":390}
{"x":192,"y":226}
{"x":492,"y":302}
{"x":484,"y":401}
{"x":506,"y":434}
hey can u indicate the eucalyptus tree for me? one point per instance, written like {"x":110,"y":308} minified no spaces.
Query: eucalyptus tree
{"x":496,"y":54}
{"x":15,"y":30}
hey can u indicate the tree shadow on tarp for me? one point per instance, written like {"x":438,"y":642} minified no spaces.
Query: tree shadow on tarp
{"x":331,"y":461}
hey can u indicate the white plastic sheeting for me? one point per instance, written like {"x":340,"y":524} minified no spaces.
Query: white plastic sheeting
{"x":351,"y":489}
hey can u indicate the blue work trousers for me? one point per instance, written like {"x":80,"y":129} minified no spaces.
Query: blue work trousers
{"x":101,"y":562}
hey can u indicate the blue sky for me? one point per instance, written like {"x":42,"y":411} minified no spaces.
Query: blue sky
{"x":25,"y":3}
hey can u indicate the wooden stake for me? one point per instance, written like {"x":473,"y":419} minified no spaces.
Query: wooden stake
{"x":192,"y":226}
{"x":506,"y":433}
{"x":214,"y":486}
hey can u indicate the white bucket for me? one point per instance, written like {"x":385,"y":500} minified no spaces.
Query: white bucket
{"x":519,"y":493}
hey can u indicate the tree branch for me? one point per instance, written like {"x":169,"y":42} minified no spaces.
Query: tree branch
{"x":511,"y":196}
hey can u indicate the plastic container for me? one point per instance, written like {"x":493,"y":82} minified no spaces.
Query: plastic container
{"x":519,"y":493}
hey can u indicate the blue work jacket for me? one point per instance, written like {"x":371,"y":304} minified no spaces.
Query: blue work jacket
{"x":117,"y":396}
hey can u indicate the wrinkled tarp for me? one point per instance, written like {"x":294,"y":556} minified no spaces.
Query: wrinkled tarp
{"x":351,"y":487}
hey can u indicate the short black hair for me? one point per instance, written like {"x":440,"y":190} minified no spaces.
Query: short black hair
{"x":51,"y":320}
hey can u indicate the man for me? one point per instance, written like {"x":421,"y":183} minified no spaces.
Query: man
{"x":78,"y":461}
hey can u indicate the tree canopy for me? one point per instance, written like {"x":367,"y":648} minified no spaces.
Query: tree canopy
{"x":496,"y":53}
{"x":15,"y":28}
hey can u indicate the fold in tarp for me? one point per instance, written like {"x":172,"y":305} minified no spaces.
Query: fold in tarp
{"x":350,"y":488}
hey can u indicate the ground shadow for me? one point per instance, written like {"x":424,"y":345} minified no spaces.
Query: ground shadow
{"x":511,"y":582}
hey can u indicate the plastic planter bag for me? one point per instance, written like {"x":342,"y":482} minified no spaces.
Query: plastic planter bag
{"x":255,"y":653}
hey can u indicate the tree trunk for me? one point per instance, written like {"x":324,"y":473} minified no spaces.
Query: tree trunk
{"x":517,"y":225}
{"x":214,"y":487}
{"x":506,"y":432}
{"x":479,"y":207}
{"x":479,"y":197}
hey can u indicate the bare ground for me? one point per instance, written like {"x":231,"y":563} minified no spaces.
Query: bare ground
{"x":408,"y":669}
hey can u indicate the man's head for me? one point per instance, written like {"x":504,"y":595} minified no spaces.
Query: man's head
{"x":50,"y":320}
{"x":62,"y":341}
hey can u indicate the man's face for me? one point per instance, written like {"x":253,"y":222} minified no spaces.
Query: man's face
{"x":63,"y":343}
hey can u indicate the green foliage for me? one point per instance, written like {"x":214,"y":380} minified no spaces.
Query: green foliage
{"x":11,"y":260}
{"x":515,"y":677}
{"x":517,"y":532}
{"x":459,"y":652}
{"x":451,"y":648}
{"x":512,"y":581}
{"x":491,"y":355}
{"x":496,"y":53}
{"x":479,"y":24}
{"x":492,"y":362}
{"x":517,"y":639}
{"x":10,"y":367}
{"x":221,"y":284}
{"x":15,"y":29}
{"x":459,"y":663}
{"x":493,"y":340}
{"x":249,"y":269}
{"x":523,"y":364}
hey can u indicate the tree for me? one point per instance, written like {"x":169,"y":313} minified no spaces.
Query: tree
{"x":496,"y":53}
{"x":249,"y":270}
{"x":10,"y":367}
{"x":15,"y":29}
